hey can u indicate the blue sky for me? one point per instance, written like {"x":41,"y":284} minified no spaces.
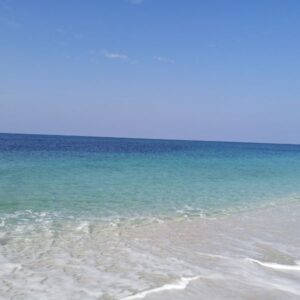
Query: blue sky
{"x":204,"y":70}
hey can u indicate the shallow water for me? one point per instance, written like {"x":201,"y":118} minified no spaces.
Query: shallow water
{"x":102,"y":218}
{"x":249,"y":255}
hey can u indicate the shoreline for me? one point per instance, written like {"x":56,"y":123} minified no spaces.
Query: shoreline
{"x":249,"y":255}
{"x":242,"y":247}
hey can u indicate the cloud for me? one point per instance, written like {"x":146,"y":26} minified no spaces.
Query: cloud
{"x":114,"y":55}
{"x":135,"y":1}
{"x":166,"y":60}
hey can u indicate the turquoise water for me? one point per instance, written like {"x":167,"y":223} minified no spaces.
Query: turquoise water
{"x":111,"y":177}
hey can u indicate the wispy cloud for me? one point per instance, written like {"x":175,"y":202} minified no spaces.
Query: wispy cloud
{"x":95,"y":54}
{"x":163,"y":59}
{"x":136,"y":1}
{"x":114,"y":55}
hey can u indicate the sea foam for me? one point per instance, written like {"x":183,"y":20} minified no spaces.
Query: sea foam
{"x":181,"y":284}
{"x":277,"y":266}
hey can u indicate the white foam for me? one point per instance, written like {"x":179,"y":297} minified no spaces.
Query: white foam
{"x":214,"y":255}
{"x":276,"y":266}
{"x":179,"y":285}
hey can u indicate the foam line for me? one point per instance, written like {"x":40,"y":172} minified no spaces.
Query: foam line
{"x":276,"y":266}
{"x":179,"y":285}
{"x":214,"y":255}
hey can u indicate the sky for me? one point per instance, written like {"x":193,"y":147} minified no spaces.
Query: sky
{"x":176,"y":69}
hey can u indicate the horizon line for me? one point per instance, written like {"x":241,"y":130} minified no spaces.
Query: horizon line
{"x":149,"y":138}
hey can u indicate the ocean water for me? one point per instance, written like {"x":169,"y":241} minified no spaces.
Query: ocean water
{"x":111,"y":218}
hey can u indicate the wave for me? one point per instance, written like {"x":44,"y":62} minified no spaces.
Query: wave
{"x":277,"y":266}
{"x":179,"y":285}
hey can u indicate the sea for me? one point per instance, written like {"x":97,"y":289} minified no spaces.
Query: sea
{"x":123,"y":218}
